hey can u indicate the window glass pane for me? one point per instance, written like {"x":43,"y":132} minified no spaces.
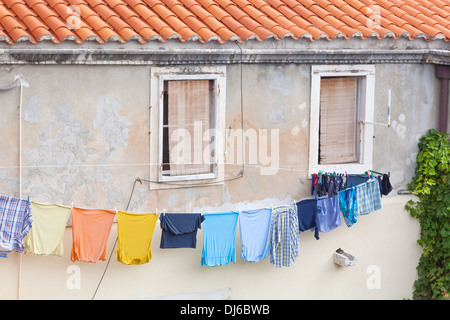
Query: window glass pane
{"x":188,"y":120}
{"x":338,"y":120}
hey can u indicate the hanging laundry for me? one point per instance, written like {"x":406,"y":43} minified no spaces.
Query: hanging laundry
{"x":90,"y":232}
{"x":379,"y":179}
{"x":314,"y":180}
{"x":356,"y":179}
{"x":386,"y":186}
{"x":307,"y":211}
{"x":135,"y":231}
{"x":284,"y":233}
{"x":328,"y":215}
{"x":332,"y":186}
{"x":254,"y":227}
{"x":15,"y":222}
{"x":219,"y":237}
{"x":340,"y":179}
{"x":320,"y":185}
{"x":348,"y":205}
{"x":327,"y":183}
{"x":179,"y":230}
{"x":47,"y":231}
{"x":368,"y":197}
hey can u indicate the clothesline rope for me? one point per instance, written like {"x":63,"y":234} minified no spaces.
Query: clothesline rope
{"x":257,"y":166}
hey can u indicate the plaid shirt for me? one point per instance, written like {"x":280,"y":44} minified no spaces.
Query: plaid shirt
{"x":284,"y":233}
{"x":368,"y":197}
{"x":15,"y":222}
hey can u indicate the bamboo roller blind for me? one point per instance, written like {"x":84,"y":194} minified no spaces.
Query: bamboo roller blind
{"x":189,"y":112}
{"x":338,"y":119}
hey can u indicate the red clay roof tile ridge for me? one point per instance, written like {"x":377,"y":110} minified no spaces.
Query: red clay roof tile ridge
{"x":246,"y":28}
{"x":199,"y":27}
{"x":171,"y":19}
{"x":312,"y":32}
{"x":217,"y":26}
{"x":278,"y":17}
{"x":264,"y":19}
{"x":100,"y":29}
{"x":121,"y":13}
{"x":36,"y":23}
{"x":266,"y":22}
{"x":69,"y":17}
{"x":163,"y":30}
{"x":16,"y":30}
{"x":304,"y":13}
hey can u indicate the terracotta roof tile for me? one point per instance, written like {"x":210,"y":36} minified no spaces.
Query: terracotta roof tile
{"x":220,"y":20}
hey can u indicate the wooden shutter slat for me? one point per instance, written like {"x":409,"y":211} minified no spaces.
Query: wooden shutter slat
{"x":337,"y":133}
{"x":189,"y":110}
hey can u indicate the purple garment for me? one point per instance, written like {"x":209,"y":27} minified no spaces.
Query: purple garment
{"x":15,"y":222}
{"x":328,"y":216}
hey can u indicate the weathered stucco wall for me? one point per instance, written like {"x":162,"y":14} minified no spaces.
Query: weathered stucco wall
{"x":85,"y":139}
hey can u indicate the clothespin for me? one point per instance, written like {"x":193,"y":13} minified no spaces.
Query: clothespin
{"x":139,"y":180}
{"x":115,"y":209}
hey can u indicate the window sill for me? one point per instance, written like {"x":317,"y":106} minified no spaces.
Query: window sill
{"x":187,"y":178}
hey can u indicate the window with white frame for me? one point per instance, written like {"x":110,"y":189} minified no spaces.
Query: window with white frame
{"x":342,"y":100}
{"x":191,"y":117}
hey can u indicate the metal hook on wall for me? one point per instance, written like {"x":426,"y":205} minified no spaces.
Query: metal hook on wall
{"x":388,"y":124}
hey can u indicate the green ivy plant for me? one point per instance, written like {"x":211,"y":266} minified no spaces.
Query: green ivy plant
{"x":431,"y":185}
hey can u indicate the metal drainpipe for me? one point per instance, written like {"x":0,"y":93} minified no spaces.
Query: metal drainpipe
{"x":443,"y":73}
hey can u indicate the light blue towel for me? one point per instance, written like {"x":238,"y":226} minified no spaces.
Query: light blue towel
{"x":254,"y":227}
{"x":219,"y":238}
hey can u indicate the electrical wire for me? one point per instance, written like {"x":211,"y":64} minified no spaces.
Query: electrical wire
{"x":184,"y":186}
{"x":115,"y":244}
{"x":242,"y":106}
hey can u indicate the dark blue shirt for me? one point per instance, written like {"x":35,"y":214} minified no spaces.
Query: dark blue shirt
{"x":179,"y":230}
{"x":307,"y":211}
{"x":356,"y":179}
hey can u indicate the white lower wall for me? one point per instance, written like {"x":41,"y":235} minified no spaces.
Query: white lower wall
{"x":384,"y":242}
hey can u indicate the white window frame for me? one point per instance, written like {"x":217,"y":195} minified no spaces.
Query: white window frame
{"x":218,"y":74}
{"x":366,"y":114}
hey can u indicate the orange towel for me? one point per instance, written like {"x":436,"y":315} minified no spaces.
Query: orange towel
{"x":90,"y":232}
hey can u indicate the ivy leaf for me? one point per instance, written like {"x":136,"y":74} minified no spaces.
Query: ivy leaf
{"x":432,"y":185}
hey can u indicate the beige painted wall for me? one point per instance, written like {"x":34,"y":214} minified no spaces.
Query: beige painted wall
{"x":85,"y":140}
